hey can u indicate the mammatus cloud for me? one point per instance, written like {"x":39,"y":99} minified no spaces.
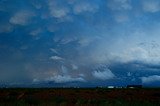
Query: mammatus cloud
{"x":150,"y":79}
{"x":22,"y":17}
{"x":151,"y":5}
{"x":121,"y":8}
{"x":65,"y":79}
{"x":119,"y":5}
{"x":79,"y":34}
{"x":57,"y":9}
{"x":81,"y":7}
{"x":103,"y":73}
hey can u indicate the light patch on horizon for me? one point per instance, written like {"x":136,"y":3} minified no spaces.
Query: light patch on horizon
{"x":146,"y":53}
{"x":150,"y":79}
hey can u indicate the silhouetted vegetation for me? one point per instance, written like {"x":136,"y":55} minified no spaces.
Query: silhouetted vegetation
{"x":79,"y":96}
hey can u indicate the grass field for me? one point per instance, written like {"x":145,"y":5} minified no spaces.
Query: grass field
{"x":79,"y":97}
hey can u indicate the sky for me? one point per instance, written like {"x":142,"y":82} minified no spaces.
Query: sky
{"x":79,"y":42}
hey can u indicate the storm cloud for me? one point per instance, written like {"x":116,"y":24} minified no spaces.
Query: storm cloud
{"x":66,"y":41}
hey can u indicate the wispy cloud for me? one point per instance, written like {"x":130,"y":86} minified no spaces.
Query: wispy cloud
{"x":56,"y":58}
{"x":54,"y":50}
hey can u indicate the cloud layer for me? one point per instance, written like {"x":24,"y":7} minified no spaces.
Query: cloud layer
{"x":65,"y":41}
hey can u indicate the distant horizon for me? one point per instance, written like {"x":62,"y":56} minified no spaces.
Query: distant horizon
{"x":45,"y":85}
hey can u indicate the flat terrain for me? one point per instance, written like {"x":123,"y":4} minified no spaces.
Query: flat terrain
{"x":79,"y":96}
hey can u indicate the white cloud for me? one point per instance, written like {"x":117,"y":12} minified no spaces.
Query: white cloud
{"x":56,"y":58}
{"x":133,"y":54}
{"x":58,"y":10}
{"x":119,"y":5}
{"x":85,"y":7}
{"x":146,"y":53}
{"x":104,"y":74}
{"x":151,"y":5}
{"x":150,"y":79}
{"x":21,"y":17}
{"x":65,"y":79}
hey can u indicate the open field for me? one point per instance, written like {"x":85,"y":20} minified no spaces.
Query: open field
{"x":79,"y":96}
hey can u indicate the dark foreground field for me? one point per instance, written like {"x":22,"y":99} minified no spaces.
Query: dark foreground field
{"x":85,"y":96}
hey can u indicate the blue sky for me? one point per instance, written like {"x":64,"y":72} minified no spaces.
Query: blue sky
{"x":80,"y":42}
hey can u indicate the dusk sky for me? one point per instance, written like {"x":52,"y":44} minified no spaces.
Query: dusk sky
{"x":79,"y":42}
